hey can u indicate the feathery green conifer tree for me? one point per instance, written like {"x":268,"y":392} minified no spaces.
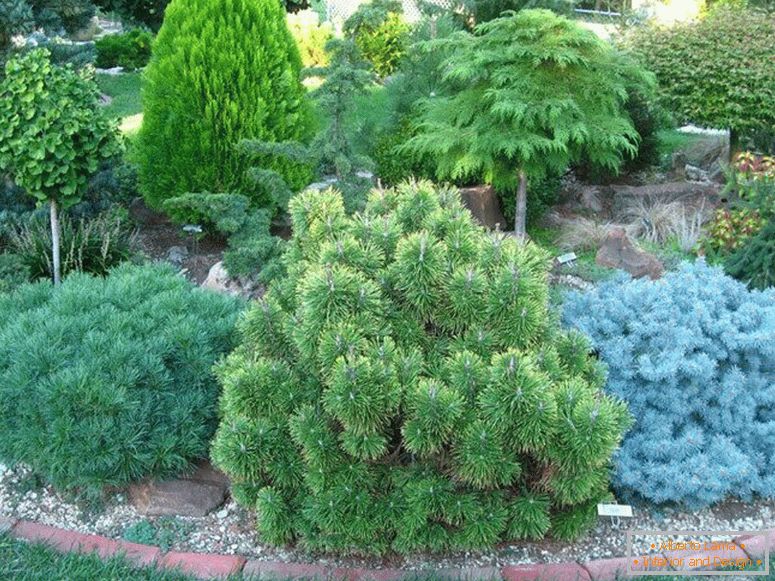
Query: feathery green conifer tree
{"x":526,"y":94}
{"x":403,"y":387}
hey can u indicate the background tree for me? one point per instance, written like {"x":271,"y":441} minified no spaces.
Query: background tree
{"x":717,"y":71}
{"x":209,"y":87}
{"x":526,"y":94}
{"x":53,"y":133}
{"x":381,"y":34}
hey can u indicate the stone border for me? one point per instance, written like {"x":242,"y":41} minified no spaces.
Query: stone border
{"x":212,"y":566}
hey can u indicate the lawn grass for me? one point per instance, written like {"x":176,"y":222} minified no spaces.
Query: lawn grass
{"x":672,"y":140}
{"x":124,"y":89}
{"x":20,"y":561}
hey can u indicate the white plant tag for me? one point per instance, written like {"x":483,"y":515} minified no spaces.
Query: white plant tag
{"x":564,"y":258}
{"x":624,"y":510}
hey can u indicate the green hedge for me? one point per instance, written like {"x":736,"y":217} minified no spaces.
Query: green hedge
{"x":717,"y":72}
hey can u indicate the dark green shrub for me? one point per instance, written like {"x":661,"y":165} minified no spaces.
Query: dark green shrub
{"x":130,"y":50}
{"x":107,"y":380}
{"x":147,"y":12}
{"x":15,"y":18}
{"x":393,"y":164}
{"x":70,"y":15}
{"x":92,"y":245}
{"x":754,"y":261}
{"x":716,"y":72}
{"x":381,"y":34}
{"x":253,"y":251}
{"x":404,"y":387}
{"x":208,"y":87}
{"x":486,"y":10}
{"x":13,"y":272}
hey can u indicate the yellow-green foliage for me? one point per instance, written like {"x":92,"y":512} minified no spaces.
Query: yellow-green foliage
{"x":404,"y":387}
{"x":311,"y":37}
{"x":221,"y":71}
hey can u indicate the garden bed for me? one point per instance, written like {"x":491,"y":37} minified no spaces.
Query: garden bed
{"x":231,"y":530}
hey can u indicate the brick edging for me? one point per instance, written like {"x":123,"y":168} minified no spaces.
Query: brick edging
{"x":212,"y":566}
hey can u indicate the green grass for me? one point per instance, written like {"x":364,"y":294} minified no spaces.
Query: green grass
{"x":672,"y":140}
{"x":126,"y":105}
{"x":20,"y":561}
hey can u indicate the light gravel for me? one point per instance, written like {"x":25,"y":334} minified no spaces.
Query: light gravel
{"x":231,"y":529}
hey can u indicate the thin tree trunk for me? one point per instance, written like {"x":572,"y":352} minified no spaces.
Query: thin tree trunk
{"x":55,"y":242}
{"x":519,"y":217}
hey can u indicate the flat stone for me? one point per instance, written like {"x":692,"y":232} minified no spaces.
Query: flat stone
{"x":484,"y":206}
{"x":619,"y":251}
{"x":196,"y":494}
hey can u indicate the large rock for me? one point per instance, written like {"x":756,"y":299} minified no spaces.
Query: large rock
{"x":219,"y":280}
{"x":483,"y":204}
{"x":624,"y":197}
{"x":194,"y":495}
{"x":619,"y":251}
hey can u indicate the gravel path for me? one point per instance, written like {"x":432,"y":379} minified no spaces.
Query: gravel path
{"x":231,"y":529}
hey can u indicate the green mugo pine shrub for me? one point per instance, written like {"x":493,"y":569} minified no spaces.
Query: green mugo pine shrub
{"x":221,"y":71}
{"x":108,"y":380}
{"x":404,"y":387}
{"x":754,"y":261}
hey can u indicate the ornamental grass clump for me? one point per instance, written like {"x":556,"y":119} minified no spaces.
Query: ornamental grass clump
{"x":693,"y":354}
{"x":404,"y":388}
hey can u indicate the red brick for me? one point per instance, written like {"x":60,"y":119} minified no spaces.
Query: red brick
{"x":66,"y":541}
{"x":551,"y":572}
{"x":609,"y":569}
{"x":755,"y":544}
{"x":57,"y":538}
{"x":142,"y":555}
{"x":203,"y":565}
{"x":368,"y":574}
{"x":473,"y":573}
{"x":270,"y":570}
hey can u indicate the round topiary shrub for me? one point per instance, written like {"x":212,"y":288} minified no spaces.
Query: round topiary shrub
{"x":107,"y":380}
{"x":403,"y":387}
{"x":693,"y":354}
{"x":221,"y":71}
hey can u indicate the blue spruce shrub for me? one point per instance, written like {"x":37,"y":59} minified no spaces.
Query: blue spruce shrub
{"x":693,"y":354}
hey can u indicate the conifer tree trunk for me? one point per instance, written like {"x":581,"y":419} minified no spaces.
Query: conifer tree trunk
{"x":519,"y":216}
{"x":55,"y":242}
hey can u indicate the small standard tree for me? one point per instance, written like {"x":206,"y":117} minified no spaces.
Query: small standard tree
{"x":53,"y":134}
{"x":526,"y":94}
{"x":221,"y":71}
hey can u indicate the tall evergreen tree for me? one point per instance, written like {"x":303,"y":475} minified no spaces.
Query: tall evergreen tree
{"x":221,"y":71}
{"x":525,"y":95}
